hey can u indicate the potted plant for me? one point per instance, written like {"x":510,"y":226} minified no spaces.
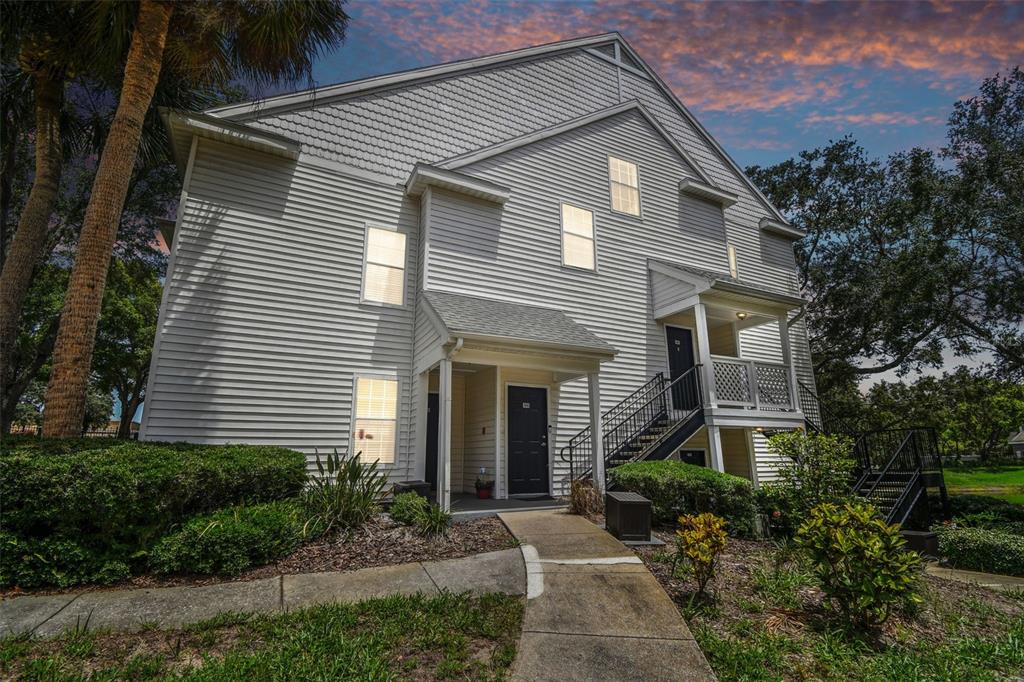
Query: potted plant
{"x":484,"y":486}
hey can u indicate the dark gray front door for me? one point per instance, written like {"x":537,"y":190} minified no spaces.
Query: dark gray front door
{"x":433,"y":410}
{"x":527,"y":440}
{"x":680,"y":361}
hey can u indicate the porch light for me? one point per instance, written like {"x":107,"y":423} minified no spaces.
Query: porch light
{"x":742,"y":316}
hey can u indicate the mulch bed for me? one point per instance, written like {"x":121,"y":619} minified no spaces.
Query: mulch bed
{"x":382,"y":542}
{"x":735,"y":587}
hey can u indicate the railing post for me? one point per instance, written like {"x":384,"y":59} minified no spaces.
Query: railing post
{"x":596,"y":430}
{"x":753,"y":384}
{"x":787,"y":358}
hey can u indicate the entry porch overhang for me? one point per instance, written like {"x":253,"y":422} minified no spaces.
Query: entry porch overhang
{"x":471,"y":352}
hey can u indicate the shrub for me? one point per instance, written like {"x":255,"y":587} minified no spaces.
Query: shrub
{"x":231,"y":540}
{"x":54,"y":561}
{"x":345,"y":494}
{"x":113,"y":499}
{"x":584,"y":498}
{"x":433,"y":522}
{"x":965,"y":506}
{"x":816,"y":469}
{"x":677,"y":488}
{"x":406,"y":507}
{"x":701,"y":540}
{"x":982,"y":549}
{"x":860,"y":561}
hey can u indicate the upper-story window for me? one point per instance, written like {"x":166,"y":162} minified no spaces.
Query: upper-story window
{"x":384,"y":269}
{"x":578,"y":248}
{"x":375,"y":427}
{"x":731,"y":251}
{"x":625,"y":180}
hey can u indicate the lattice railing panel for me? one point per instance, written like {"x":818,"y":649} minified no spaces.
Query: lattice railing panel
{"x":773,"y":385}
{"x":732,"y":382}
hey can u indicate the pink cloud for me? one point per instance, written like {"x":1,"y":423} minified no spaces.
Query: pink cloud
{"x":738,"y":56}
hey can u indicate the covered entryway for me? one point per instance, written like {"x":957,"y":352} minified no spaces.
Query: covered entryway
{"x":528,"y":440}
{"x":498,"y":369}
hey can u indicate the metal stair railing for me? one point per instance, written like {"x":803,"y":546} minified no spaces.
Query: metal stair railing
{"x":647,"y":408}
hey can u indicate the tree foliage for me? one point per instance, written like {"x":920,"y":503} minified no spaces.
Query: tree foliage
{"x":919,"y":253}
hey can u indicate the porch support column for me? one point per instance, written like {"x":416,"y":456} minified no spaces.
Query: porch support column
{"x":704,"y":353}
{"x":715,"y":448}
{"x":787,"y":358}
{"x":596,"y":430}
{"x":444,"y":436}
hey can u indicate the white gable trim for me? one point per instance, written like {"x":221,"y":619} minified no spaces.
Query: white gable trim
{"x":707,"y":192}
{"x":424,"y":175}
{"x":183,"y":126}
{"x":781,"y":229}
{"x":560,"y":128}
{"x":319,"y":96}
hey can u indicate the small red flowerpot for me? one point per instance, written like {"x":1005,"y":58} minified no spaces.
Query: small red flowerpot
{"x":483,"y":493}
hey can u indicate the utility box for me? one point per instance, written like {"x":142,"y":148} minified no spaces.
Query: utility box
{"x":421,"y":488}
{"x":628,"y":516}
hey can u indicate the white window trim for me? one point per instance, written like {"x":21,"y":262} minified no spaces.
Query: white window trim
{"x":639,"y":188}
{"x":561,"y":236}
{"x":354,"y":416}
{"x":405,"y":266}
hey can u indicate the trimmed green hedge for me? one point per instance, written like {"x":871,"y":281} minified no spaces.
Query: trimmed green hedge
{"x":1000,"y":510}
{"x":231,"y":540}
{"x":982,"y":549}
{"x":677,"y":488}
{"x":113,"y":499}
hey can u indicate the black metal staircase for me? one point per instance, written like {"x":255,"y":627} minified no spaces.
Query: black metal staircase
{"x":651,"y":423}
{"x":895,"y":469}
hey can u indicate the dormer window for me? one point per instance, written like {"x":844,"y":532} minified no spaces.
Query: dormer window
{"x":625,"y":186}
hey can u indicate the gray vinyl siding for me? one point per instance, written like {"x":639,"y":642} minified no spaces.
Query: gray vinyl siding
{"x":389,"y":131}
{"x":262,"y":330}
{"x":478,"y":450}
{"x":514,"y":252}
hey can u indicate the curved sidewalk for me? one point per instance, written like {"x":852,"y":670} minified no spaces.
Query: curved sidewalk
{"x":593,"y":610}
{"x":173,"y":607}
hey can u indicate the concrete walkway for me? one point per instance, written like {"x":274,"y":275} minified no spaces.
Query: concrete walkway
{"x":593,"y":610}
{"x":1000,"y":583}
{"x":172,"y":607}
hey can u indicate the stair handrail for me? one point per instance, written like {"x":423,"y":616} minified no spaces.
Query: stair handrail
{"x":659,"y":397}
{"x":888,"y":465}
{"x":582,"y":439}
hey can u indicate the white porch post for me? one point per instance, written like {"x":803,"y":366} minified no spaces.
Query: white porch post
{"x":715,"y":448}
{"x":596,"y":430}
{"x":704,"y":352}
{"x":787,"y":358}
{"x":444,"y":437}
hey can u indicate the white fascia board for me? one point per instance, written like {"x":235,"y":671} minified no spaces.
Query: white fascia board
{"x":527,"y":344}
{"x":424,"y":176}
{"x":781,"y":229}
{"x":320,"y":95}
{"x":182,"y":126}
{"x":786,"y":300}
{"x":704,"y":191}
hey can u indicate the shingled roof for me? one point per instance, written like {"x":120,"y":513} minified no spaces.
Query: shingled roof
{"x":484,"y":317}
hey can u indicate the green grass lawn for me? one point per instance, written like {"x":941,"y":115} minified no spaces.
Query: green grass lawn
{"x":446,"y":637}
{"x":1006,"y":483}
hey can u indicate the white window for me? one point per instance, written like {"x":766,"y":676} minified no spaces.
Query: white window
{"x":625,"y":186}
{"x":384,"y":270}
{"x":578,"y":237}
{"x":376,"y":419}
{"x":731,"y":250}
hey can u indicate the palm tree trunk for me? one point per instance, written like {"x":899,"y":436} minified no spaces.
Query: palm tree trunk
{"x":65,"y":395}
{"x":29,"y":243}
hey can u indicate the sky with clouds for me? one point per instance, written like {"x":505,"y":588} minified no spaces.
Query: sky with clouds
{"x":767,"y":79}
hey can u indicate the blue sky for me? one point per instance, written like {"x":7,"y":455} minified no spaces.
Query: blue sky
{"x":767,"y":79}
